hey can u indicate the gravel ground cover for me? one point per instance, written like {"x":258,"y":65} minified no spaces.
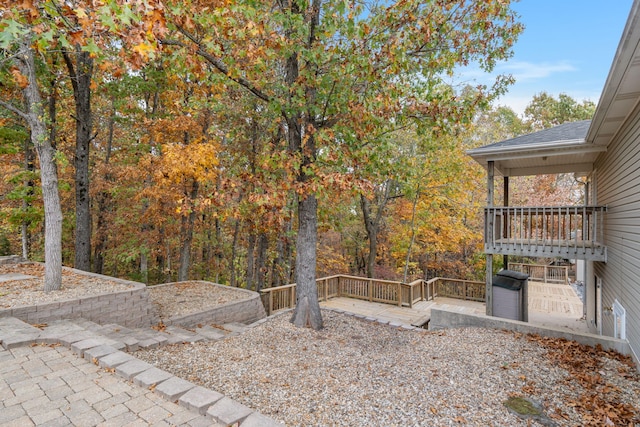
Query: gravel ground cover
{"x":178,"y":299}
{"x":15,"y":293}
{"x":357,"y":373}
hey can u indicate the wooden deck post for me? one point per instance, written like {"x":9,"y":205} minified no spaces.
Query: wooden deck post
{"x":489,"y":229}
{"x":270,"y":303}
{"x":399,"y":294}
{"x":370,"y":290}
{"x":505,"y":219}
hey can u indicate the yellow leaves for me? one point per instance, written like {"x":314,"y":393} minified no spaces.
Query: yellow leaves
{"x":80,"y":13}
{"x":195,"y":161}
{"x":144,"y":49}
{"x":20,"y":79}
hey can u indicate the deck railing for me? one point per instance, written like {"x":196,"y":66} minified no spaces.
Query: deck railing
{"x":373,"y":290}
{"x":574,"y":232}
{"x":543,"y":273}
{"x":461,"y":289}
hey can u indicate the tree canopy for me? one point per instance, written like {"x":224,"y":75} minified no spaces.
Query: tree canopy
{"x":226,"y":136}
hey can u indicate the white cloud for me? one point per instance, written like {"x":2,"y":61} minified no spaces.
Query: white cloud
{"x":522,"y":70}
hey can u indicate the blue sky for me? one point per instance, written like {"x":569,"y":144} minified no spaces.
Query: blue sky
{"x":566,"y":47}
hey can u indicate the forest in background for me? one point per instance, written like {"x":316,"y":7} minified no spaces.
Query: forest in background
{"x":180,"y":176}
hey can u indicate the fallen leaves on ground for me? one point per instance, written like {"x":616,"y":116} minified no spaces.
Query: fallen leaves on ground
{"x":599,"y":403}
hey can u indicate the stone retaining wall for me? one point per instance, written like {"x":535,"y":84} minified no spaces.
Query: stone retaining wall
{"x":130,"y":308}
{"x":247,"y":310}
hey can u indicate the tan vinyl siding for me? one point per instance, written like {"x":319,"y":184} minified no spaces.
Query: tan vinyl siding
{"x":618,"y":187}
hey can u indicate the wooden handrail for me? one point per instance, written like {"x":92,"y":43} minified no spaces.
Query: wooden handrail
{"x":545,"y":273}
{"x":374,"y":290}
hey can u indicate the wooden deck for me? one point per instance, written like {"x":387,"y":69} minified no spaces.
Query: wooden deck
{"x":550,"y":305}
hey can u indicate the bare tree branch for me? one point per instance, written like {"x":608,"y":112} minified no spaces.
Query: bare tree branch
{"x":14,"y":109}
{"x":217,"y":63}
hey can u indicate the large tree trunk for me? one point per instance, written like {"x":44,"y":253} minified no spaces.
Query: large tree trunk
{"x":48,"y":174}
{"x":80,"y":75}
{"x":307,"y":312}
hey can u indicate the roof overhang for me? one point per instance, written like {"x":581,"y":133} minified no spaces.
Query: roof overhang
{"x":621,"y":93}
{"x":569,"y":156}
{"x":620,"y":101}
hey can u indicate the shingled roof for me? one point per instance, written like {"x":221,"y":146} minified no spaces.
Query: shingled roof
{"x":561,"y":149}
{"x":573,"y":131}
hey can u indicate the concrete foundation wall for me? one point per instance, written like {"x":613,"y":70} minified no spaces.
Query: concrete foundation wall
{"x":130,"y":308}
{"x":442,"y":319}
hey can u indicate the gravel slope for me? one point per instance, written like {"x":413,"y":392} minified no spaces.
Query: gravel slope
{"x":356,"y":373}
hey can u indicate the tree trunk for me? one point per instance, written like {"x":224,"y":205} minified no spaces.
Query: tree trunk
{"x":250,"y":276}
{"x":234,"y":250}
{"x":186,"y":236}
{"x":218,"y":253}
{"x":48,"y":173}
{"x":261,"y":270}
{"x":372,"y":223}
{"x":413,"y":234}
{"x":307,"y":312}
{"x":80,"y":75}
{"x":277,"y":266}
{"x":26,"y":201}
{"x":372,"y":228}
{"x":104,"y":202}
{"x":144,"y":267}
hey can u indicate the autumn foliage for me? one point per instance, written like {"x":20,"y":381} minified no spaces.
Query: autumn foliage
{"x":214,"y":121}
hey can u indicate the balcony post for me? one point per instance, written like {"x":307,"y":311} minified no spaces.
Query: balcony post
{"x":505,"y":219}
{"x":489,"y":229}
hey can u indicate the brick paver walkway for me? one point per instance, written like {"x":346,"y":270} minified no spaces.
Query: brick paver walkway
{"x":49,"y":385}
{"x":66,"y":375}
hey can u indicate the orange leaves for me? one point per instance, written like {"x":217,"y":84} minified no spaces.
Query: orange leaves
{"x":599,"y":401}
{"x":77,"y":37}
{"x":30,"y":8}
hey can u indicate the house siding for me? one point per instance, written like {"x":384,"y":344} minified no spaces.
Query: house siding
{"x":618,"y":186}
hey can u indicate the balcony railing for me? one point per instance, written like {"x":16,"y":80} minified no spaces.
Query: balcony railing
{"x":571,"y":232}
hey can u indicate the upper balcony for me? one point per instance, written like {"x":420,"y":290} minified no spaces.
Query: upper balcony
{"x":570,"y":232}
